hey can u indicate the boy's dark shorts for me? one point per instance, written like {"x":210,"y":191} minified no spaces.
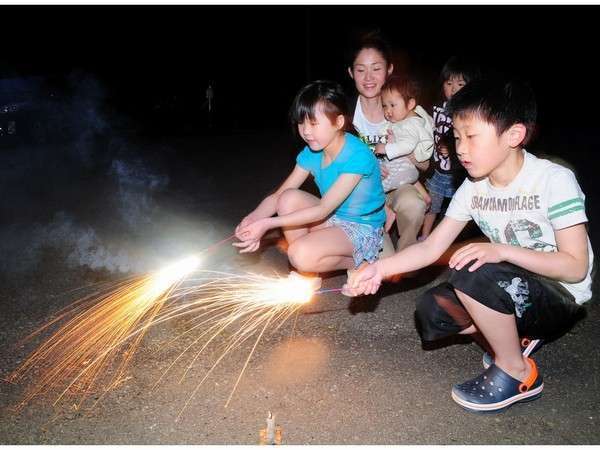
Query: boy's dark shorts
{"x":542,"y":307}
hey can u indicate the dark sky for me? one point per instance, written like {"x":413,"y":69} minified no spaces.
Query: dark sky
{"x":258,"y":56}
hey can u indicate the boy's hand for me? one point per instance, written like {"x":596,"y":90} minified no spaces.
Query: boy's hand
{"x":380,"y":149}
{"x":364,"y":281}
{"x":481,"y":252}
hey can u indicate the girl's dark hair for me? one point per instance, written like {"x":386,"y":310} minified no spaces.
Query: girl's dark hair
{"x":460,"y":66}
{"x":327,"y":93}
{"x":372,"y":39}
{"x":406,"y":86}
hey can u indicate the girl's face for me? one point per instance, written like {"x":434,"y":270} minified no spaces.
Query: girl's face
{"x":395,"y":108}
{"x":452,"y":85}
{"x":369,"y":71}
{"x":320,"y":132}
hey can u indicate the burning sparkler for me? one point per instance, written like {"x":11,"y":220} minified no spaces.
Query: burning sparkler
{"x":105,"y":331}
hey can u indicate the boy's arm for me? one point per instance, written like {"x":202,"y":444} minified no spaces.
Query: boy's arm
{"x":569,"y":263}
{"x":421,"y":254}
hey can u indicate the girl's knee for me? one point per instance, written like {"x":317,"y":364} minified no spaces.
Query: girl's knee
{"x":301,"y":257}
{"x":288,"y":201}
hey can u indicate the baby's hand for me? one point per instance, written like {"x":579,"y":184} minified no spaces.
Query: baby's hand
{"x":390,"y":137}
{"x":380,"y":149}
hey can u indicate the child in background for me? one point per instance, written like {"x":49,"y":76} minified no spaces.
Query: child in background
{"x":535,"y":272}
{"x":344,"y":227}
{"x":448,"y":174}
{"x":443,"y":183}
{"x":409,"y":135}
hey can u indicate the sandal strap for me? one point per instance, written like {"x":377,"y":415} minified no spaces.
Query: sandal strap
{"x":533,"y":375}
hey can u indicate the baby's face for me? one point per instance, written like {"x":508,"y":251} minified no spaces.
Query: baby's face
{"x":443,"y":150}
{"x":395,"y":108}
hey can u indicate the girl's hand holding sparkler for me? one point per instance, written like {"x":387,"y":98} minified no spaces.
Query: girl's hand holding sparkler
{"x":364,"y":281}
{"x":250,"y":234}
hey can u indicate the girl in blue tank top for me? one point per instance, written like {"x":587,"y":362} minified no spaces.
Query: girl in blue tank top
{"x":344,"y":227}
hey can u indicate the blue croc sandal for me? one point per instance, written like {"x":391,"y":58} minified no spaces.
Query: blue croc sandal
{"x":528,"y":346}
{"x":495,"y":390}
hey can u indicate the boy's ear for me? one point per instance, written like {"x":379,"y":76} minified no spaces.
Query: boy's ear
{"x":516,"y":134}
{"x":340,"y":121}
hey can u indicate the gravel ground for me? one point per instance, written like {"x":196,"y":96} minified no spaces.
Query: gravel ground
{"x":344,"y":372}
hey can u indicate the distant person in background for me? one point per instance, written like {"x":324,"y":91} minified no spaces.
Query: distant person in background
{"x":343,"y":228}
{"x":442,"y":184}
{"x":369,"y":65}
{"x":409,"y":137}
{"x":448,"y":173}
{"x":210,"y":94}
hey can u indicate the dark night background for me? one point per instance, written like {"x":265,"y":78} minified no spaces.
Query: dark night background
{"x":120,"y":96}
{"x":258,"y":56}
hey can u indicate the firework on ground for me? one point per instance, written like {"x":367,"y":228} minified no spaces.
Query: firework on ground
{"x":98,"y":336}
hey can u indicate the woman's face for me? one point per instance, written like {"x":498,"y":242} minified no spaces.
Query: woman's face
{"x":369,"y":71}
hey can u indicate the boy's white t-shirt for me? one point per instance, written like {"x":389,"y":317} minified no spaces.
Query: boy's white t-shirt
{"x":542,"y":198}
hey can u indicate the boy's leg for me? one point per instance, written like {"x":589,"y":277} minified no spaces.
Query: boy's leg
{"x":500,"y":332}
{"x":322,"y":250}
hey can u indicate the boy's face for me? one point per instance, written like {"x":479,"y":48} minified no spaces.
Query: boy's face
{"x":395,"y":108}
{"x":478,"y":147}
{"x":452,"y":85}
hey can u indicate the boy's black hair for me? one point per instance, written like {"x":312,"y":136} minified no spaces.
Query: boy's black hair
{"x":372,"y":39}
{"x":332,"y":98}
{"x":460,"y":66}
{"x":497,"y":101}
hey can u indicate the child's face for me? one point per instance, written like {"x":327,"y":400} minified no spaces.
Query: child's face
{"x":369,"y":71}
{"x":443,"y":150}
{"x":478,"y":146}
{"x":395,"y":108}
{"x":452,"y":85}
{"x":320,"y":132}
